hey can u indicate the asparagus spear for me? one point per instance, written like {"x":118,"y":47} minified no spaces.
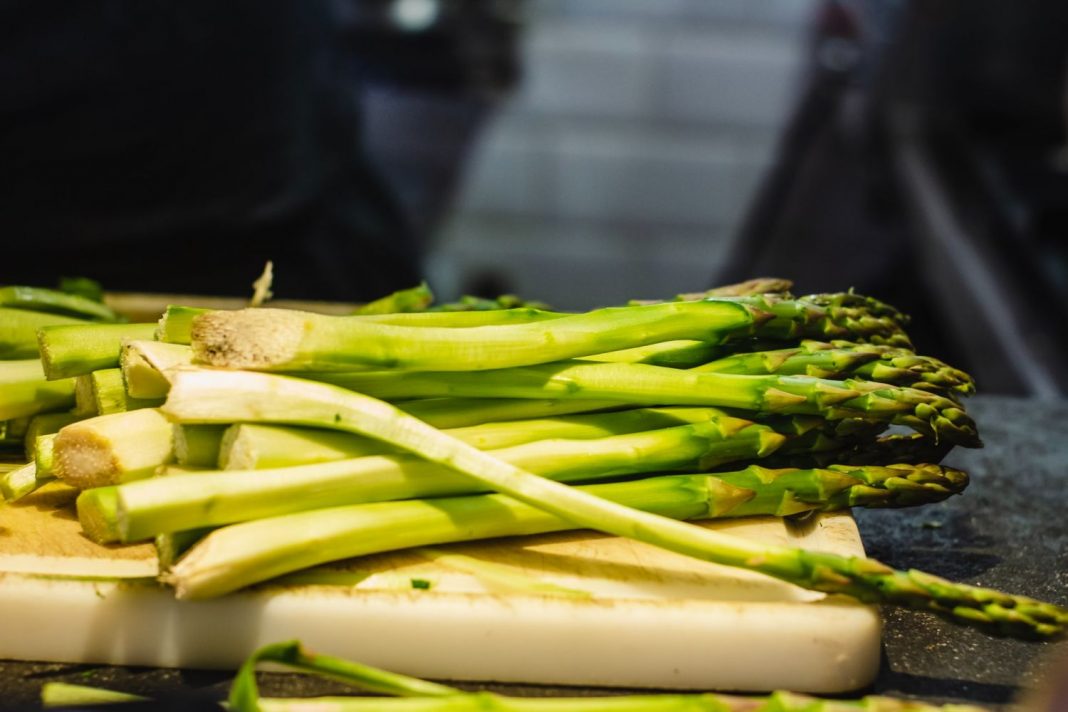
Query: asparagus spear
{"x":18,"y":482}
{"x":655,"y":385}
{"x":215,"y":396}
{"x":285,"y":340}
{"x":45,"y":424}
{"x":53,"y":301}
{"x":145,"y":363}
{"x":114,"y":448}
{"x":251,"y":446}
{"x":18,"y":331}
{"x":198,"y":445}
{"x":243,"y":554}
{"x":460,"y":412}
{"x":140,"y":510}
{"x":104,"y":391}
{"x":415,"y":299}
{"x":836,"y":359}
{"x":416,"y":695}
{"x":25,"y":392}
{"x":82,"y":348}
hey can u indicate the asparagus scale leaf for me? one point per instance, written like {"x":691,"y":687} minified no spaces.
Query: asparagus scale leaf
{"x":220,"y":396}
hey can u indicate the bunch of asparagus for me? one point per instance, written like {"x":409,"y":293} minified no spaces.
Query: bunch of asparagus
{"x":286,"y":439}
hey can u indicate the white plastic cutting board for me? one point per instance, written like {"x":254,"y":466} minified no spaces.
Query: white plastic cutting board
{"x":623,"y":614}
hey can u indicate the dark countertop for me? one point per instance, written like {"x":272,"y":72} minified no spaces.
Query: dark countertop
{"x":1008,"y":531}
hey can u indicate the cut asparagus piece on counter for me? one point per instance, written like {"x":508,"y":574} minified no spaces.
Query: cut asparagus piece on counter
{"x":215,"y":396}
{"x":18,"y":331}
{"x":416,"y":695}
{"x":250,"y":446}
{"x":634,"y":383}
{"x":24,"y":391}
{"x":73,"y":350}
{"x":141,"y":510}
{"x":283,"y":340}
{"x":19,"y":482}
{"x":109,"y":449}
{"x":229,"y":559}
{"x":145,"y":363}
{"x":53,"y":301}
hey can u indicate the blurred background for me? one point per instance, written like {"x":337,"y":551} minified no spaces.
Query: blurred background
{"x":579,"y":152}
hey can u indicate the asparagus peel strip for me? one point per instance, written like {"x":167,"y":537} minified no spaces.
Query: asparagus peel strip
{"x":220,"y":396}
{"x":140,"y":510}
{"x":643,"y":384}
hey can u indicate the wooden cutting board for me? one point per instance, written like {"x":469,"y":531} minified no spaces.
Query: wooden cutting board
{"x":612,"y":613}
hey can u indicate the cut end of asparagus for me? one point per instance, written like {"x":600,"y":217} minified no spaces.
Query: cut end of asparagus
{"x":84,"y":458}
{"x":98,"y":513}
{"x":249,"y":338}
{"x":114,"y":448}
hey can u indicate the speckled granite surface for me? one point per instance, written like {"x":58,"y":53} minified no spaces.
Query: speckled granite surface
{"x":1009,"y":531}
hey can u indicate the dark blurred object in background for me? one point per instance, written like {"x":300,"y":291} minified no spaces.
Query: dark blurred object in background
{"x":925,"y":164}
{"x":176,"y":146}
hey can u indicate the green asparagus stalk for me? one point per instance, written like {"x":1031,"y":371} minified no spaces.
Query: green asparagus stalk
{"x":109,"y":449}
{"x":18,"y":331}
{"x":680,"y":353}
{"x":44,"y":451}
{"x":416,"y":695}
{"x":25,"y":392}
{"x":416,"y":299}
{"x":243,"y":554}
{"x":251,"y":446}
{"x":885,"y":364}
{"x":283,"y":340}
{"x":45,"y":424}
{"x":461,"y":412}
{"x":104,"y":391}
{"x":643,"y":384}
{"x":215,"y":396}
{"x":53,"y":301}
{"x":140,"y":510}
{"x":73,"y":350}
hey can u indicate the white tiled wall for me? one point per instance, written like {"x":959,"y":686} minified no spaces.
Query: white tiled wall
{"x":625,"y":160}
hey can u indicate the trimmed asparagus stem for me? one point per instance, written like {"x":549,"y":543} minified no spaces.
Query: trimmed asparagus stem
{"x":416,"y":695}
{"x":83,"y":348}
{"x":55,"y":302}
{"x":634,"y":383}
{"x":176,"y":324}
{"x":19,"y":482}
{"x":178,"y":502}
{"x":45,"y":424}
{"x":44,"y":450}
{"x":144,"y":365}
{"x":251,"y":446}
{"x":103,"y":392}
{"x":211,"y":396}
{"x":170,"y":546}
{"x":284,"y":340}
{"x":18,"y":331}
{"x":198,"y":445}
{"x":110,"y":449}
{"x":25,"y":392}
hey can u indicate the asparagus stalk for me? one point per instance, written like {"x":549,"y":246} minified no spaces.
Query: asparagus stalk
{"x":415,"y":299}
{"x":140,"y":510}
{"x":44,"y":447}
{"x":73,"y":350}
{"x":25,"y":392}
{"x":460,"y":412}
{"x":283,"y":340}
{"x":18,"y":482}
{"x":838,"y":359}
{"x":109,"y":449}
{"x":630,"y":383}
{"x":18,"y":331}
{"x":104,"y":391}
{"x":45,"y":424}
{"x":251,"y":446}
{"x":416,"y":695}
{"x":243,"y":554}
{"x":56,"y":302}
